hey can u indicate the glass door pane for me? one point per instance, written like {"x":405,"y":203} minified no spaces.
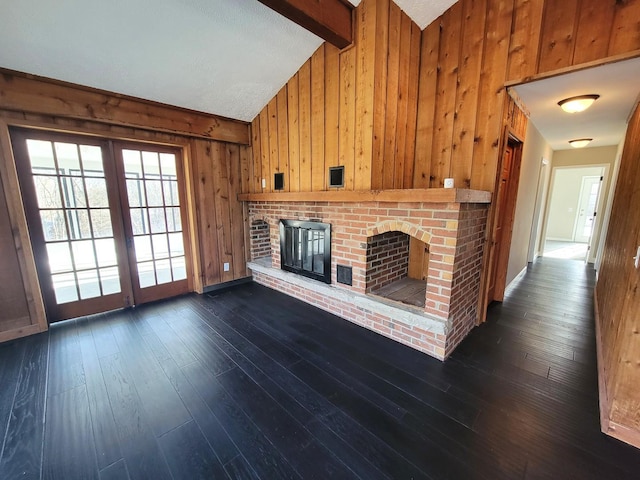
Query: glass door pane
{"x":151,"y":188}
{"x":70,"y":212}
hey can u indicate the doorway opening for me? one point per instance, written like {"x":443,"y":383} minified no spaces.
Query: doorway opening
{"x":571,"y":228}
{"x":506,"y":196}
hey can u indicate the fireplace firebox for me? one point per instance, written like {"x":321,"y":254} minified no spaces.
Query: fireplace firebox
{"x":305,"y":249}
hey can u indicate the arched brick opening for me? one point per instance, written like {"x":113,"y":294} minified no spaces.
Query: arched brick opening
{"x":397,"y":262}
{"x":400,"y":226}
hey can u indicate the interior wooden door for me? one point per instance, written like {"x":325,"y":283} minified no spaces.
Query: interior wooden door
{"x":505,"y":211}
{"x":74,"y":221}
{"x":152,"y":199}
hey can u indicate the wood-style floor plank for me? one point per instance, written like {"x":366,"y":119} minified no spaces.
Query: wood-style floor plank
{"x":189,"y":455}
{"x":249,"y":383}
{"x":69,"y":450}
{"x":22,"y":449}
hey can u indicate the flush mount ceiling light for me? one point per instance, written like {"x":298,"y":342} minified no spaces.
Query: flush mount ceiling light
{"x":580,"y":142}
{"x":577,"y":104}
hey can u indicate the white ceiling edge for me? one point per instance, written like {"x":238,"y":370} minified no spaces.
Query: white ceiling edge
{"x":223,"y":57}
{"x":605,"y":121}
{"x":424,"y":12}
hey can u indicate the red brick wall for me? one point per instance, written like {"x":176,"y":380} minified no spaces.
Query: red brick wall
{"x":466,"y":274}
{"x":387,"y":259}
{"x":259,"y":240}
{"x":453,"y":231}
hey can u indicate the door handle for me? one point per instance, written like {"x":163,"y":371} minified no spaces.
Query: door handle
{"x":636,"y":259}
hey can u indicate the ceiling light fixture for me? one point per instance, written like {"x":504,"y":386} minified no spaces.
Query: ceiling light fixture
{"x":577,"y":104}
{"x":580,"y":142}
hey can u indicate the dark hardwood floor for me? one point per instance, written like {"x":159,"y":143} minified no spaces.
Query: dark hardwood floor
{"x":249,"y":383}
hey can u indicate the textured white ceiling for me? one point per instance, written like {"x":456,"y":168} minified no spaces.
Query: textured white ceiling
{"x":226,"y":57}
{"x":423,"y":12}
{"x":605,"y":122}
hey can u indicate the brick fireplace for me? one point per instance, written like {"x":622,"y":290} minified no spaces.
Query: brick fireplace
{"x":370,"y":237}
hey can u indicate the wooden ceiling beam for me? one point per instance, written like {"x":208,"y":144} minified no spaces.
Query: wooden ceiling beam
{"x":329,"y":19}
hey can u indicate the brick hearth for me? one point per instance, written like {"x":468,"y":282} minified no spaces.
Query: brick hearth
{"x":453,"y":231}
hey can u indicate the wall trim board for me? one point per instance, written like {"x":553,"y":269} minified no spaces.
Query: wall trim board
{"x":21,"y":332}
{"x":22,"y":242}
{"x":607,"y":426}
{"x":573,"y":68}
{"x":602,"y":378}
{"x":432,"y":195}
{"x":225,"y":285}
{"x":29,"y":93}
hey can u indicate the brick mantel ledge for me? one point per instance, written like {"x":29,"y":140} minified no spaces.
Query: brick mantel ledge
{"x":428,"y":195}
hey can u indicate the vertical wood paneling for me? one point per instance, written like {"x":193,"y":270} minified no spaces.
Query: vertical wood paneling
{"x":525,"y":38}
{"x":412,"y":106}
{"x":492,"y":95}
{"x":274,"y":160}
{"x":346,"y":135}
{"x":265,"y":150}
{"x":15,"y":310}
{"x":332,"y":112}
{"x":217,"y":168}
{"x":317,"y":120}
{"x":283,"y":136}
{"x":304,"y":121}
{"x":415,"y":107}
{"x":558,"y":34}
{"x":222,"y":207}
{"x":617,"y":290}
{"x":246,"y":165}
{"x":450,"y":41}
{"x":402,"y":118}
{"x":236,"y":216}
{"x":380,"y":68}
{"x":365,"y":68}
{"x":594,"y":30}
{"x":388,"y":159}
{"x":256,"y":157}
{"x":625,"y":32}
{"x":294,"y":134}
{"x":426,"y":104}
{"x":206,"y":212}
{"x":473,"y":15}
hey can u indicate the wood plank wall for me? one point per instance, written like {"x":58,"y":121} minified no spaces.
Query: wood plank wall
{"x":356,"y":108}
{"x":618,"y":296}
{"x":216,"y":173}
{"x":390,"y":135}
{"x":503,"y":40}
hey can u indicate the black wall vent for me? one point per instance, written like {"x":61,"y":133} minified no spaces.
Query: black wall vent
{"x":344,"y":274}
{"x":278,"y":181}
{"x":336,"y":176}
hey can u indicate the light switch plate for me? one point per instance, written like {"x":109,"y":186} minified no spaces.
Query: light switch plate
{"x":225,"y":267}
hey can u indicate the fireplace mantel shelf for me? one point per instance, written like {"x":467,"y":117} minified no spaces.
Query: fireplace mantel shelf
{"x":427,"y":195}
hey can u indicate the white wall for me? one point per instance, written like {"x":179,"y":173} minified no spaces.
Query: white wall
{"x":565,"y":195}
{"x":532,"y":176}
{"x":585,"y":157}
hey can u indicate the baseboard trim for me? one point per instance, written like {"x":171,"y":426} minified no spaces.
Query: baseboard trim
{"x":609,"y":427}
{"x":20,"y":332}
{"x":225,"y":285}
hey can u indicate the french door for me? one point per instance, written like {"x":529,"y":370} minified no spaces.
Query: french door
{"x":105,"y":221}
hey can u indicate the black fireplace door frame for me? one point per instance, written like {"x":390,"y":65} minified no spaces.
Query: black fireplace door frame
{"x":292,"y":259}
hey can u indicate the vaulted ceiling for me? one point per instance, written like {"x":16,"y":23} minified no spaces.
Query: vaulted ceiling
{"x":226,"y":57}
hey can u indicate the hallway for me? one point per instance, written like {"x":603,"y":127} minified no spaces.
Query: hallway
{"x":250,"y":383}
